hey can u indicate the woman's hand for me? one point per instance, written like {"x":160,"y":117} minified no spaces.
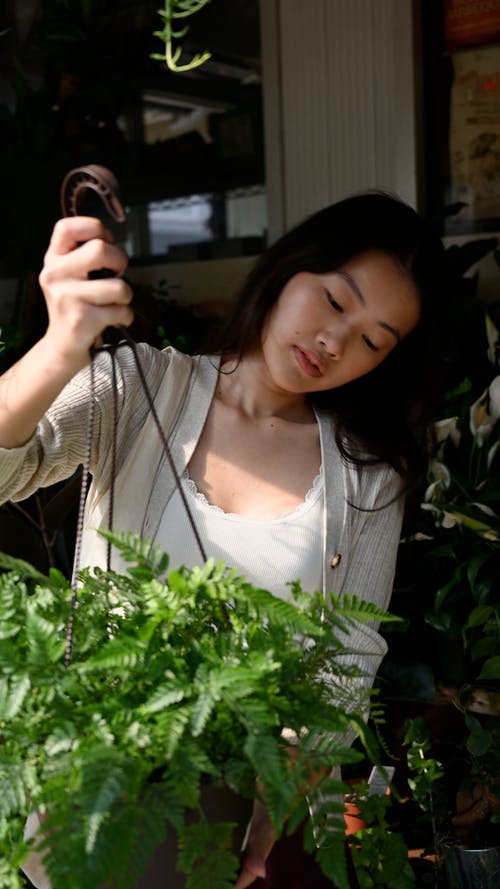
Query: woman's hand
{"x":260,"y":841}
{"x":80,"y":308}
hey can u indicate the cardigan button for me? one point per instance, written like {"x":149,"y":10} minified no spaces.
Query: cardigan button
{"x":335,"y":561}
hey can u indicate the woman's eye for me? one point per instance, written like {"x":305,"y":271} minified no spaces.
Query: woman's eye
{"x":333,"y":302}
{"x":370,"y":345}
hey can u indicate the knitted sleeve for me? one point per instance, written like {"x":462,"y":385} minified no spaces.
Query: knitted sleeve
{"x":58,"y":445}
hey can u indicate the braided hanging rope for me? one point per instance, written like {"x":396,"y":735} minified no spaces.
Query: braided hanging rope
{"x":102,"y":181}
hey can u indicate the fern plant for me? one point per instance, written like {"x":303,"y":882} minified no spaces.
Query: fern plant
{"x":176,"y":679}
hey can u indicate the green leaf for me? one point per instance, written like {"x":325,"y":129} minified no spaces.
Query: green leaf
{"x":119,"y":653}
{"x":475,"y":565}
{"x":484,"y":648}
{"x":479,"y":742}
{"x":165,"y":695}
{"x":332,"y":861}
{"x":491,"y":669}
{"x":479,"y":616}
{"x":19,"y":687}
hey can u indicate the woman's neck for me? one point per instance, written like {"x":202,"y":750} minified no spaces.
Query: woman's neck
{"x":245,"y":386}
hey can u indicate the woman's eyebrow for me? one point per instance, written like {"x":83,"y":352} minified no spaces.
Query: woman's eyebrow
{"x":353,"y":285}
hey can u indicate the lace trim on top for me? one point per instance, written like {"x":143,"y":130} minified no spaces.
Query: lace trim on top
{"x":310,"y":498}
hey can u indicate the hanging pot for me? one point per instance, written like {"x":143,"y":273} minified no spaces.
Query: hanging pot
{"x":472,"y":868}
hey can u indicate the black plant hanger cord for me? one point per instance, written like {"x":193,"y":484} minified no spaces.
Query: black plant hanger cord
{"x":104,"y":184}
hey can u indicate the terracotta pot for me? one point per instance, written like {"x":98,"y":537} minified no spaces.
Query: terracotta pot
{"x":352,"y":818}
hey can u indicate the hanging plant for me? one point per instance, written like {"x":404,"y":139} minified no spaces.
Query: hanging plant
{"x":176,"y":679}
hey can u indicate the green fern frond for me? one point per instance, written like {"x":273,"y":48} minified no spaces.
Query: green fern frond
{"x":353,"y":609}
{"x":201,"y":712}
{"x":164,"y":696}
{"x":46,"y":641}
{"x":332,"y":861}
{"x":204,"y":852}
{"x":12,"y":695}
{"x":170,"y":728}
{"x":138,"y":551}
{"x":121,"y":653}
{"x":271,"y":763}
{"x":13,"y":789}
{"x":20,"y":568}
{"x":104,"y":782}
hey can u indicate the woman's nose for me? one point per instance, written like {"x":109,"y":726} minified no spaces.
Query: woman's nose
{"x":333,"y":340}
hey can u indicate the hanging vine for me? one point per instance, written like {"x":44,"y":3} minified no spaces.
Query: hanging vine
{"x":173,"y":10}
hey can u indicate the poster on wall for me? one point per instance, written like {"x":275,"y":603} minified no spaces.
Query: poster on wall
{"x":474,"y":143}
{"x":471,"y":23}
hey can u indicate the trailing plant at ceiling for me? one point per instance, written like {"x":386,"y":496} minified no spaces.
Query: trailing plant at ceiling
{"x":173,"y":11}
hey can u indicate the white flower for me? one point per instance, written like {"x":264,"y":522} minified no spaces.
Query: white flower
{"x":442,"y":479}
{"x":450,"y":519}
{"x":494,"y":397}
{"x":447,"y":428}
{"x":492,"y":336}
{"x":482,"y":506}
{"x":492,"y":452}
{"x":446,"y":519}
{"x":480,"y":421}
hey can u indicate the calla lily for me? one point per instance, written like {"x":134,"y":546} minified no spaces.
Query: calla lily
{"x":450,"y":519}
{"x":492,"y":453}
{"x":492,"y":336}
{"x":444,"y":429}
{"x":442,"y":479}
{"x":494,"y":397}
{"x":481,"y":422}
{"x":447,"y":519}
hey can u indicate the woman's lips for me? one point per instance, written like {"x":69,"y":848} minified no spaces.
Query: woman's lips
{"x":308,"y":362}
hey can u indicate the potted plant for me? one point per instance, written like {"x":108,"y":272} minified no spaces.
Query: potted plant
{"x":459,"y":544}
{"x":172,"y":680}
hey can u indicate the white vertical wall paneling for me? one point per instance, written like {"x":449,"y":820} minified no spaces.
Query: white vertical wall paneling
{"x":407,"y":166}
{"x":305,"y":123}
{"x":384,"y":79}
{"x":273,"y":115}
{"x":345,"y":101}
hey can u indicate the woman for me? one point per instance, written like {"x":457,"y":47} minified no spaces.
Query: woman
{"x":295,"y":444}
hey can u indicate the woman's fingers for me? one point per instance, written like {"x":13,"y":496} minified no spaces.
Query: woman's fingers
{"x":74,"y":230}
{"x":79,"y":305}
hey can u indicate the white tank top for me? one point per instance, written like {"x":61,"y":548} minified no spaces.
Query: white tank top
{"x":269,"y":552}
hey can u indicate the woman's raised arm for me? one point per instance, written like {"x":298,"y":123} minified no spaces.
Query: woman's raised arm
{"x":79,"y":309}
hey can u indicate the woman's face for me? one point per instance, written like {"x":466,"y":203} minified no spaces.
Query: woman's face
{"x":328,"y":329}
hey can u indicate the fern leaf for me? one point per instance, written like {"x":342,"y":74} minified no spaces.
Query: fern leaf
{"x":170,"y":726}
{"x":119,"y":653}
{"x":12,"y":790}
{"x":333,"y":863}
{"x":46,"y":641}
{"x":202,"y":709}
{"x":353,"y":609}
{"x":138,"y":551}
{"x":20,"y":568}
{"x":110,"y":788}
{"x":272,"y":765}
{"x":164,"y":696}
{"x":205,"y":854}
{"x":19,"y":687}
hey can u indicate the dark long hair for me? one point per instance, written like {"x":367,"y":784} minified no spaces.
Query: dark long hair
{"x":382,"y":416}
